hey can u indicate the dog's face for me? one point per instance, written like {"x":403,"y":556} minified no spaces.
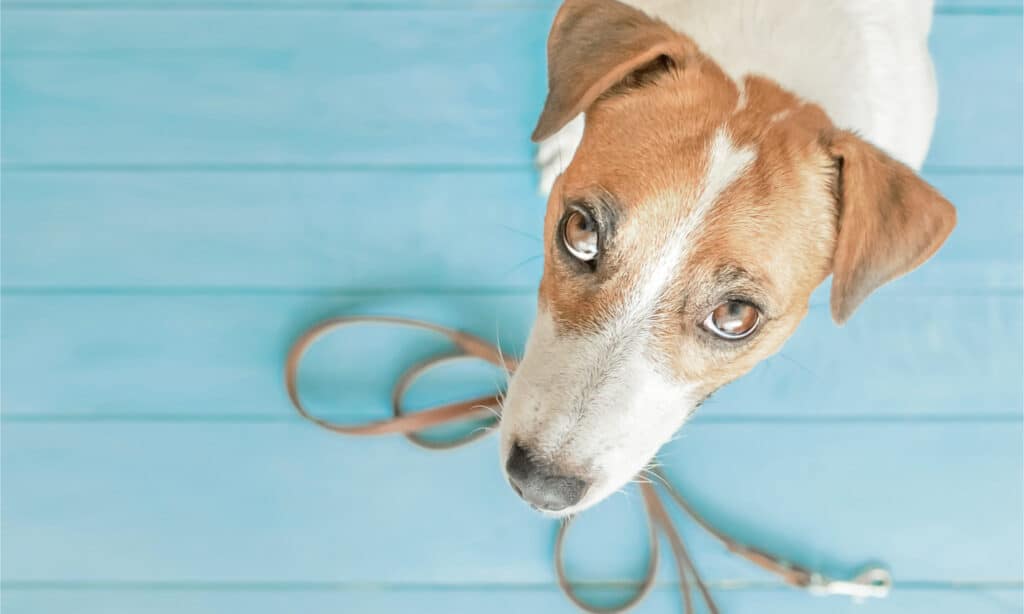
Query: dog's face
{"x":682,"y":244}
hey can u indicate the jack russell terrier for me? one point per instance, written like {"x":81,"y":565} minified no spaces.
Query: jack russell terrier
{"x":715,"y":183}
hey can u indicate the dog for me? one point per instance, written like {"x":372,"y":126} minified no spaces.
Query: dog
{"x":709,"y":164}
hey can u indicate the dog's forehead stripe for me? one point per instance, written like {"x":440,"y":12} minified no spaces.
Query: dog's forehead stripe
{"x":725,"y":163}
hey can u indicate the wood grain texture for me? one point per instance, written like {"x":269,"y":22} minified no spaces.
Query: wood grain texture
{"x":982,"y":7}
{"x":290,"y":503}
{"x":187,"y":184}
{"x":370,"y":230}
{"x":307,"y":88}
{"x":186,"y":356}
{"x":473,"y":601}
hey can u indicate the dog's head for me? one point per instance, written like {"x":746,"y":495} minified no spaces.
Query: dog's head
{"x":682,"y":244}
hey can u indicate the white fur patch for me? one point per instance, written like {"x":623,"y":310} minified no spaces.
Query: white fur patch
{"x":556,"y":151}
{"x":725,"y":164}
{"x":596,"y":405}
{"x":741,"y":100}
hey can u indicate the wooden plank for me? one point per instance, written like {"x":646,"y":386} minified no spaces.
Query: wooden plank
{"x":941,"y":6}
{"x":361,"y":229}
{"x":977,"y":5}
{"x":961,"y":46}
{"x":369,"y":230}
{"x":186,"y":356}
{"x":272,"y":88}
{"x":938,"y":502}
{"x":366,"y":87}
{"x":473,"y":601}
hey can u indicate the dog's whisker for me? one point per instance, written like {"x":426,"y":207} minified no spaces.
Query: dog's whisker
{"x":675,"y":437}
{"x":520,"y":264}
{"x":668,"y":453}
{"x":496,"y":413}
{"x":655,"y":475}
{"x":522,"y":233}
{"x":501,"y":356}
{"x":624,"y":492}
{"x":796,"y":362}
{"x":483,"y":429}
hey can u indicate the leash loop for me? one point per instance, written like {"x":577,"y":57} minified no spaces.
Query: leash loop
{"x":646,"y":584}
{"x":409,"y":425}
{"x":484,"y":404}
{"x":871,"y":582}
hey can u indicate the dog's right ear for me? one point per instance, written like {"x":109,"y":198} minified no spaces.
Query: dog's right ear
{"x":594,"y":45}
{"x":890,"y":221}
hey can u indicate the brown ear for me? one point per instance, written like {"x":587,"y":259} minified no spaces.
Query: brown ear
{"x":593,"y":45}
{"x":890,"y":222}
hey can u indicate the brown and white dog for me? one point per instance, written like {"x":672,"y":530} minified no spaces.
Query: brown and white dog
{"x":715,"y":185}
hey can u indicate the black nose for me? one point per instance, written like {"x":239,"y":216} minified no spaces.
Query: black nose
{"x":540,"y":484}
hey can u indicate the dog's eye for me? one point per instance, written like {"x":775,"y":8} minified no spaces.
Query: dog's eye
{"x":579,"y":233}
{"x":733,"y":320}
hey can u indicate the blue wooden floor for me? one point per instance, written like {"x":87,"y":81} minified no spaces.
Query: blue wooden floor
{"x":187,"y":184}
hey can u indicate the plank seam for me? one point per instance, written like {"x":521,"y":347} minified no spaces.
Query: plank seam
{"x":257,"y":167}
{"x":412,"y":167}
{"x":721,"y":418}
{"x":514,"y":291}
{"x":383,"y":6}
{"x":313,"y":586}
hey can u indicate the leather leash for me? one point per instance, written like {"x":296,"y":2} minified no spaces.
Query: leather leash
{"x":871,"y":582}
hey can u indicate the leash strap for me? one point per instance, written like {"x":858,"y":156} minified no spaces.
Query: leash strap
{"x":872,"y":582}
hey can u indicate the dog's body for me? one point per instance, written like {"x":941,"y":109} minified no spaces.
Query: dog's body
{"x":866,"y":62}
{"x":714,"y":184}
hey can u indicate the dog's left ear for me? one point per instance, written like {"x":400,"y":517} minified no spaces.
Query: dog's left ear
{"x":890,"y":222}
{"x":593,"y":46}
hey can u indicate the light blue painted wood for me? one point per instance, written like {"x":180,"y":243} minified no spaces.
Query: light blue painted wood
{"x":473,"y":601}
{"x":367,"y":87}
{"x":941,"y":6}
{"x":228,"y":87}
{"x":286,"y":502}
{"x":369,"y":230}
{"x":137,"y":356}
{"x":343,"y":230}
{"x":145,"y":317}
{"x":968,"y":128}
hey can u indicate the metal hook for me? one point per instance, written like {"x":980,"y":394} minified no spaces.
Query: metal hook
{"x":871,"y":582}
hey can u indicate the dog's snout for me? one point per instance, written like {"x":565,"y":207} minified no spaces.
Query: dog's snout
{"x":540,"y":484}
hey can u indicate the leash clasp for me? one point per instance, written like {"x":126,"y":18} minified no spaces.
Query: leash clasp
{"x":872,"y":582}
